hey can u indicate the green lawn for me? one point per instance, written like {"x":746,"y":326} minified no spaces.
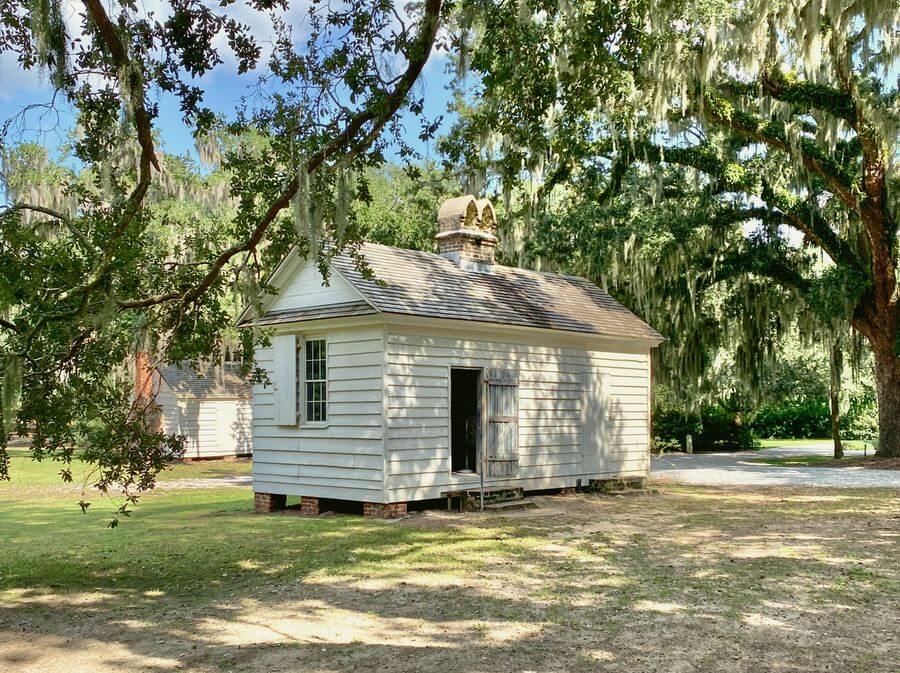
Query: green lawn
{"x":195,"y":581}
{"x":788,"y":443}
{"x":25,"y":471}
{"x":794,"y":461}
{"x":200,"y":543}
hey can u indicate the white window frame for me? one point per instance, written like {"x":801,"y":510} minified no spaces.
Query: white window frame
{"x":303,"y":421}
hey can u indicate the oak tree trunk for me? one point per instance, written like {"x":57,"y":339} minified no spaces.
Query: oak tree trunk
{"x":887,"y":381}
{"x":837,"y":367}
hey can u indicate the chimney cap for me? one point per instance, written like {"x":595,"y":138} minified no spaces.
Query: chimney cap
{"x":460,"y":212}
{"x":467,"y":231}
{"x":466,"y":212}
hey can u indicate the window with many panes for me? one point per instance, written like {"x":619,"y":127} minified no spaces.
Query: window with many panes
{"x":313,"y":380}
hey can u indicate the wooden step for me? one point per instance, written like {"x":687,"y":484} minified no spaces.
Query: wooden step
{"x":510,"y":505}
{"x":630,"y":491}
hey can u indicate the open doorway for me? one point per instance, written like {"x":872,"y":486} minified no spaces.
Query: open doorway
{"x":465,"y":413}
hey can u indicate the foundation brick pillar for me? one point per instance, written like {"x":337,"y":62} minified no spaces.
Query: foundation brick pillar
{"x":378,"y":510}
{"x":269,"y":502}
{"x":309,"y":506}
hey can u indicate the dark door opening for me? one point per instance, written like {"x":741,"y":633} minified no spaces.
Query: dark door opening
{"x":465,"y":412}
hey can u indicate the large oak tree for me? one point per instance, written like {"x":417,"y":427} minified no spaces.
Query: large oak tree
{"x":784,"y":114}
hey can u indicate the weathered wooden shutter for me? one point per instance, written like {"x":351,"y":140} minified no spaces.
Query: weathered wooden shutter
{"x":503,"y":422}
{"x":284,"y":349}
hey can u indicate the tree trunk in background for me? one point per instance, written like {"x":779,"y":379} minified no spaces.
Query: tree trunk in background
{"x":837,"y":369}
{"x":887,"y":381}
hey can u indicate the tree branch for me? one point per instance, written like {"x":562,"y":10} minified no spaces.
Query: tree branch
{"x":803,"y":96}
{"x":802,"y":215}
{"x":379,"y":111}
{"x":774,"y":134}
{"x":75,"y":231}
{"x":134,"y":90}
{"x":730,"y":176}
{"x":759,"y":259}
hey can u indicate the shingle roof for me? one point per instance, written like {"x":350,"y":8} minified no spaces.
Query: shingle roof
{"x":342,"y":310}
{"x":210,"y":381}
{"x":418,"y":283}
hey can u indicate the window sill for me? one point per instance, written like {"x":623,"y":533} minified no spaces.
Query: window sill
{"x":464,"y":476}
{"x":314,"y":425}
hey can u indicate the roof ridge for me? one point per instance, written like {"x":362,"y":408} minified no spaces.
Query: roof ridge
{"x":552,"y":274}
{"x":418,"y":282}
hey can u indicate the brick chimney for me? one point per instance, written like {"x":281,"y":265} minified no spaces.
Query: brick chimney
{"x":467,"y":232}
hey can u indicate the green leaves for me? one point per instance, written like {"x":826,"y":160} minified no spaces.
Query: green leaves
{"x":127,"y":250}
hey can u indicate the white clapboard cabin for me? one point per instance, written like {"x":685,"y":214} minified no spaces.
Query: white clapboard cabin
{"x":440,"y":370}
{"x":210,"y":408}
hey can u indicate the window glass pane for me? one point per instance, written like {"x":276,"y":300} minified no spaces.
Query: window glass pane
{"x":299,"y":379}
{"x":316,"y":387}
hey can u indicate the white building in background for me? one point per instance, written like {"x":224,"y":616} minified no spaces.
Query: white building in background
{"x":210,"y":408}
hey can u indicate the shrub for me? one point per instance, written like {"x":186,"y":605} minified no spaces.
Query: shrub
{"x":793,"y":419}
{"x":803,"y":419}
{"x":661,"y":445}
{"x":861,"y":419}
{"x":716,"y":428}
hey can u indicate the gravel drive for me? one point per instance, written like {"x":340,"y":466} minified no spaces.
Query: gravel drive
{"x":735,"y":469}
{"x":205,"y":482}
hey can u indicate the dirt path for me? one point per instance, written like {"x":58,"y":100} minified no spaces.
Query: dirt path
{"x":690,"y":580}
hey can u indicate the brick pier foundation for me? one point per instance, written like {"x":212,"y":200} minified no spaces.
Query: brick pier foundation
{"x":378,"y":510}
{"x":309,"y":506}
{"x":269,"y":502}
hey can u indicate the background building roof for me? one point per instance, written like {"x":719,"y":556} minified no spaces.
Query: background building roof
{"x":213,"y":380}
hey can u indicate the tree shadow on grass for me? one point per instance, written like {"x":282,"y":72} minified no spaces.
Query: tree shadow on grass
{"x":612,"y":584}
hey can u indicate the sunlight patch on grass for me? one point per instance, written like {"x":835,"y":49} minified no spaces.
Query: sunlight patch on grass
{"x":661,"y":608}
{"x":600,"y":655}
{"x":763,"y":621}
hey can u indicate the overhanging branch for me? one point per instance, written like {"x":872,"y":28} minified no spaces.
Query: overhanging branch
{"x":379,"y":111}
{"x":774,"y":134}
{"x":803,"y":96}
{"x":134,"y":90}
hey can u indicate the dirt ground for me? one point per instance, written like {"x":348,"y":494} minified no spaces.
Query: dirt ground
{"x":691,"y":579}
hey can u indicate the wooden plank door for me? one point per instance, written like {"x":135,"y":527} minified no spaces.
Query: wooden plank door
{"x":502,"y":456}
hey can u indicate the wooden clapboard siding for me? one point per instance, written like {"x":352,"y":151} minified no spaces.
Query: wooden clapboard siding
{"x":212,"y":427}
{"x":168,"y":404}
{"x":343,"y":459}
{"x":550,"y":407}
{"x":306,"y":289}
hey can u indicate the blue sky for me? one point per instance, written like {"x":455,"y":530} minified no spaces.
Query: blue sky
{"x":20,"y":89}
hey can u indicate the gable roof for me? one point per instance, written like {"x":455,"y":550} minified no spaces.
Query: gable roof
{"x":411,"y":282}
{"x":211,"y":381}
